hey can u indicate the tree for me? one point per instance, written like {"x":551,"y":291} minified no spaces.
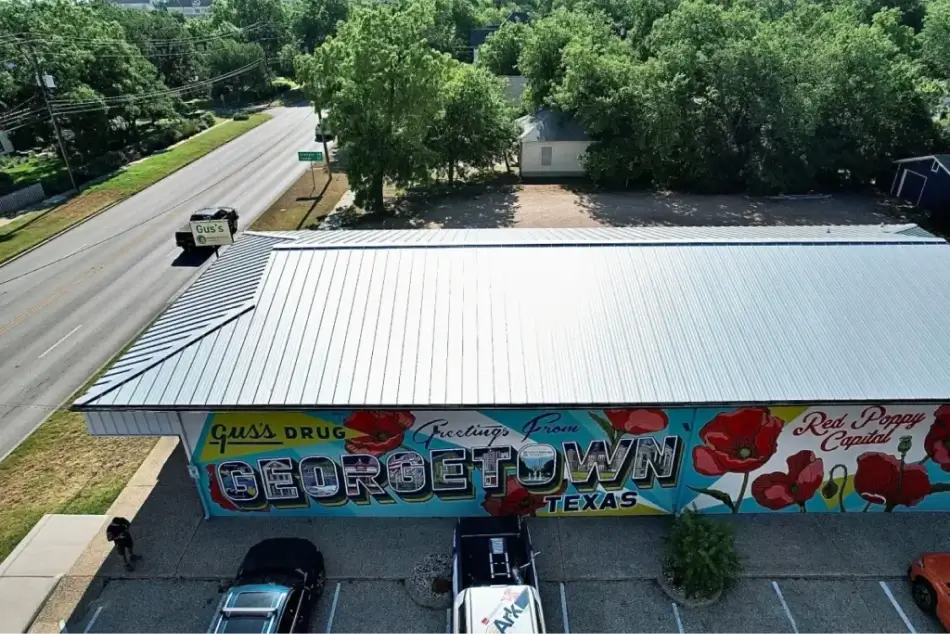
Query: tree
{"x":475,"y":127}
{"x":262,"y":21}
{"x":500,"y":52}
{"x":383,"y":95}
{"x":242,"y":63}
{"x":935,"y":38}
{"x":313,"y":21}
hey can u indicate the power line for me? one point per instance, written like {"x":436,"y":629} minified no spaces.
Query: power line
{"x":32,"y":39}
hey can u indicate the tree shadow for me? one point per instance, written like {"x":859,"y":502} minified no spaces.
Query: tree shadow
{"x":658,"y":208}
{"x":466,"y":206}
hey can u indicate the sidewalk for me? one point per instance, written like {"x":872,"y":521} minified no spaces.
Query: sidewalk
{"x":176,"y":587}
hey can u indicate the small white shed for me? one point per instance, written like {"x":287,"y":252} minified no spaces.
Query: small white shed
{"x":551,"y":144}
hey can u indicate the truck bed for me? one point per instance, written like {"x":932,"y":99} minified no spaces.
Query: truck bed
{"x":474,"y":537}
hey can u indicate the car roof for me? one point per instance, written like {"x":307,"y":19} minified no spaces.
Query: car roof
{"x":249,"y":607}
{"x":508,"y":609}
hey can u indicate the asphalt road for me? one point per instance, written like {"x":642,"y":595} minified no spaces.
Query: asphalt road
{"x":68,"y":306}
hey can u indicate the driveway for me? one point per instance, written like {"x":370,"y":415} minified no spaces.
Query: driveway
{"x":565,"y":206}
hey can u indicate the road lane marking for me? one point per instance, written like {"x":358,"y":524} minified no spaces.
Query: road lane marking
{"x":900,"y":612}
{"x":68,"y":335}
{"x":788,"y":612}
{"x":336,"y":597}
{"x":676,"y":615}
{"x":92,"y":621}
{"x":567,"y":625}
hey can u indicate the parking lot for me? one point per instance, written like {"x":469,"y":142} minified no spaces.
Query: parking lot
{"x":753,"y":605}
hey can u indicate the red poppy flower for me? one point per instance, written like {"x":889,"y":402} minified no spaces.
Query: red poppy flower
{"x":384,"y":431}
{"x":937,"y":442}
{"x":217,"y":496}
{"x":637,"y":421}
{"x":516,"y":500}
{"x":737,"y":442}
{"x":777,"y":490}
{"x":879,"y":480}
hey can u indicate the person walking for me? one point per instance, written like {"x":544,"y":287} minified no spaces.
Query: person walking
{"x":119,"y":533}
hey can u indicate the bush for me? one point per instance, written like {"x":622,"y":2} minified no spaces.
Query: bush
{"x":188,"y":128}
{"x":207,"y":118}
{"x":701,"y":557}
{"x":241,"y":116}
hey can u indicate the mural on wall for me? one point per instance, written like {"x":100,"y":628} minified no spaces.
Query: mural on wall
{"x":499,"y":462}
{"x":577,"y":462}
{"x":844,"y":459}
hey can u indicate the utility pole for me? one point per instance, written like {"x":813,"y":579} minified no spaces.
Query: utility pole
{"x":326,"y":151}
{"x":41,"y":79}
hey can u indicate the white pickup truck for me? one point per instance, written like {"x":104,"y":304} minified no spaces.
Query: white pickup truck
{"x":494,"y":578}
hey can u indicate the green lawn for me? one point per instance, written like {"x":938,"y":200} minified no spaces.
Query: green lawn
{"x":20,"y":236}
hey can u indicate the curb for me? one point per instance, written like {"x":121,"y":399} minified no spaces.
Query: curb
{"x":39,"y":608}
{"x":65,"y":229}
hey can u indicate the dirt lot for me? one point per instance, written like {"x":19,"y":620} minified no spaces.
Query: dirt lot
{"x":565,"y":206}
{"x":305,"y":203}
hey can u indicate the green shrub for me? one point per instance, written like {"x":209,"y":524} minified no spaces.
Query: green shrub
{"x":188,"y":128}
{"x":241,"y":116}
{"x":701,"y":556}
{"x":208,"y":118}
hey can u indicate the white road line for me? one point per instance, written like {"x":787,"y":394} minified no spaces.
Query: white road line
{"x":92,"y":621}
{"x":900,"y":612}
{"x":70,"y":334}
{"x":567,"y":624}
{"x":336,"y":597}
{"x":676,"y":615}
{"x":788,"y":612}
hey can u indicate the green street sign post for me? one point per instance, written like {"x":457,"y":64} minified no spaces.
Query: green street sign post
{"x":313,"y":157}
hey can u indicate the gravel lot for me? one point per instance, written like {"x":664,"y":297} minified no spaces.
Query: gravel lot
{"x":531,"y":205}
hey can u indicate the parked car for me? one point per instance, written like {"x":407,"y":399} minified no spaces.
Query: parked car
{"x":183,"y":236}
{"x":930,"y":580}
{"x":494,"y":579}
{"x":275,"y":589}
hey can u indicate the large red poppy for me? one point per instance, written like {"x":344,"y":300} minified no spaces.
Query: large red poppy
{"x":778,"y":490}
{"x":637,"y":421}
{"x":737,"y":442}
{"x":384,"y":431}
{"x":516,"y":500}
{"x":217,"y":495}
{"x":937,"y":442}
{"x":879,"y":480}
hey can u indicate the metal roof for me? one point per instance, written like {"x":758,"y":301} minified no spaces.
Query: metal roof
{"x":546,"y":126}
{"x":343,"y":319}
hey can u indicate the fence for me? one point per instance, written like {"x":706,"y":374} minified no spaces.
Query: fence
{"x":21,"y":198}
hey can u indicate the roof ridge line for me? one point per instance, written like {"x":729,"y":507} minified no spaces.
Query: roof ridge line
{"x":92,"y":394}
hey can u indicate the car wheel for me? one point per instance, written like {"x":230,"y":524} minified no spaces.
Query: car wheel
{"x":924,"y":596}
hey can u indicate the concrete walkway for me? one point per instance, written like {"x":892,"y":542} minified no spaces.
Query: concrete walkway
{"x":36,"y":565}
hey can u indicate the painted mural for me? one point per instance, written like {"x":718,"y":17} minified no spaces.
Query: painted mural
{"x":576,"y":462}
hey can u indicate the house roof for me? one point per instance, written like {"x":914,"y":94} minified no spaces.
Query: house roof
{"x":550,"y":126}
{"x":559,"y":317}
{"x":942,"y":159}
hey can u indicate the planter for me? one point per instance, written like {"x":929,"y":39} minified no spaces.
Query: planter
{"x":429,"y":583}
{"x":665,"y":581}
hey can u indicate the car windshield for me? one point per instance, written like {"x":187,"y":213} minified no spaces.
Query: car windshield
{"x":244,"y":624}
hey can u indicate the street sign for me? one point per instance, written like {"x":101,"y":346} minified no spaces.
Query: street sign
{"x":211,"y":233}
{"x":313,"y":157}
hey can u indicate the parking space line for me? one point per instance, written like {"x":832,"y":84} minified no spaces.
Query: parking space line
{"x":336,"y":597}
{"x":92,"y":621}
{"x":676,"y":615}
{"x":788,"y":612}
{"x":567,"y":625}
{"x":900,"y":611}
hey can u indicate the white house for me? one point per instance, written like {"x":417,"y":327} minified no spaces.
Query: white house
{"x":190,"y":9}
{"x":141,"y":5}
{"x":551,"y":145}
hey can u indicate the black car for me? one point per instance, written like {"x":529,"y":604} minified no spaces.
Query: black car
{"x":275,"y":590}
